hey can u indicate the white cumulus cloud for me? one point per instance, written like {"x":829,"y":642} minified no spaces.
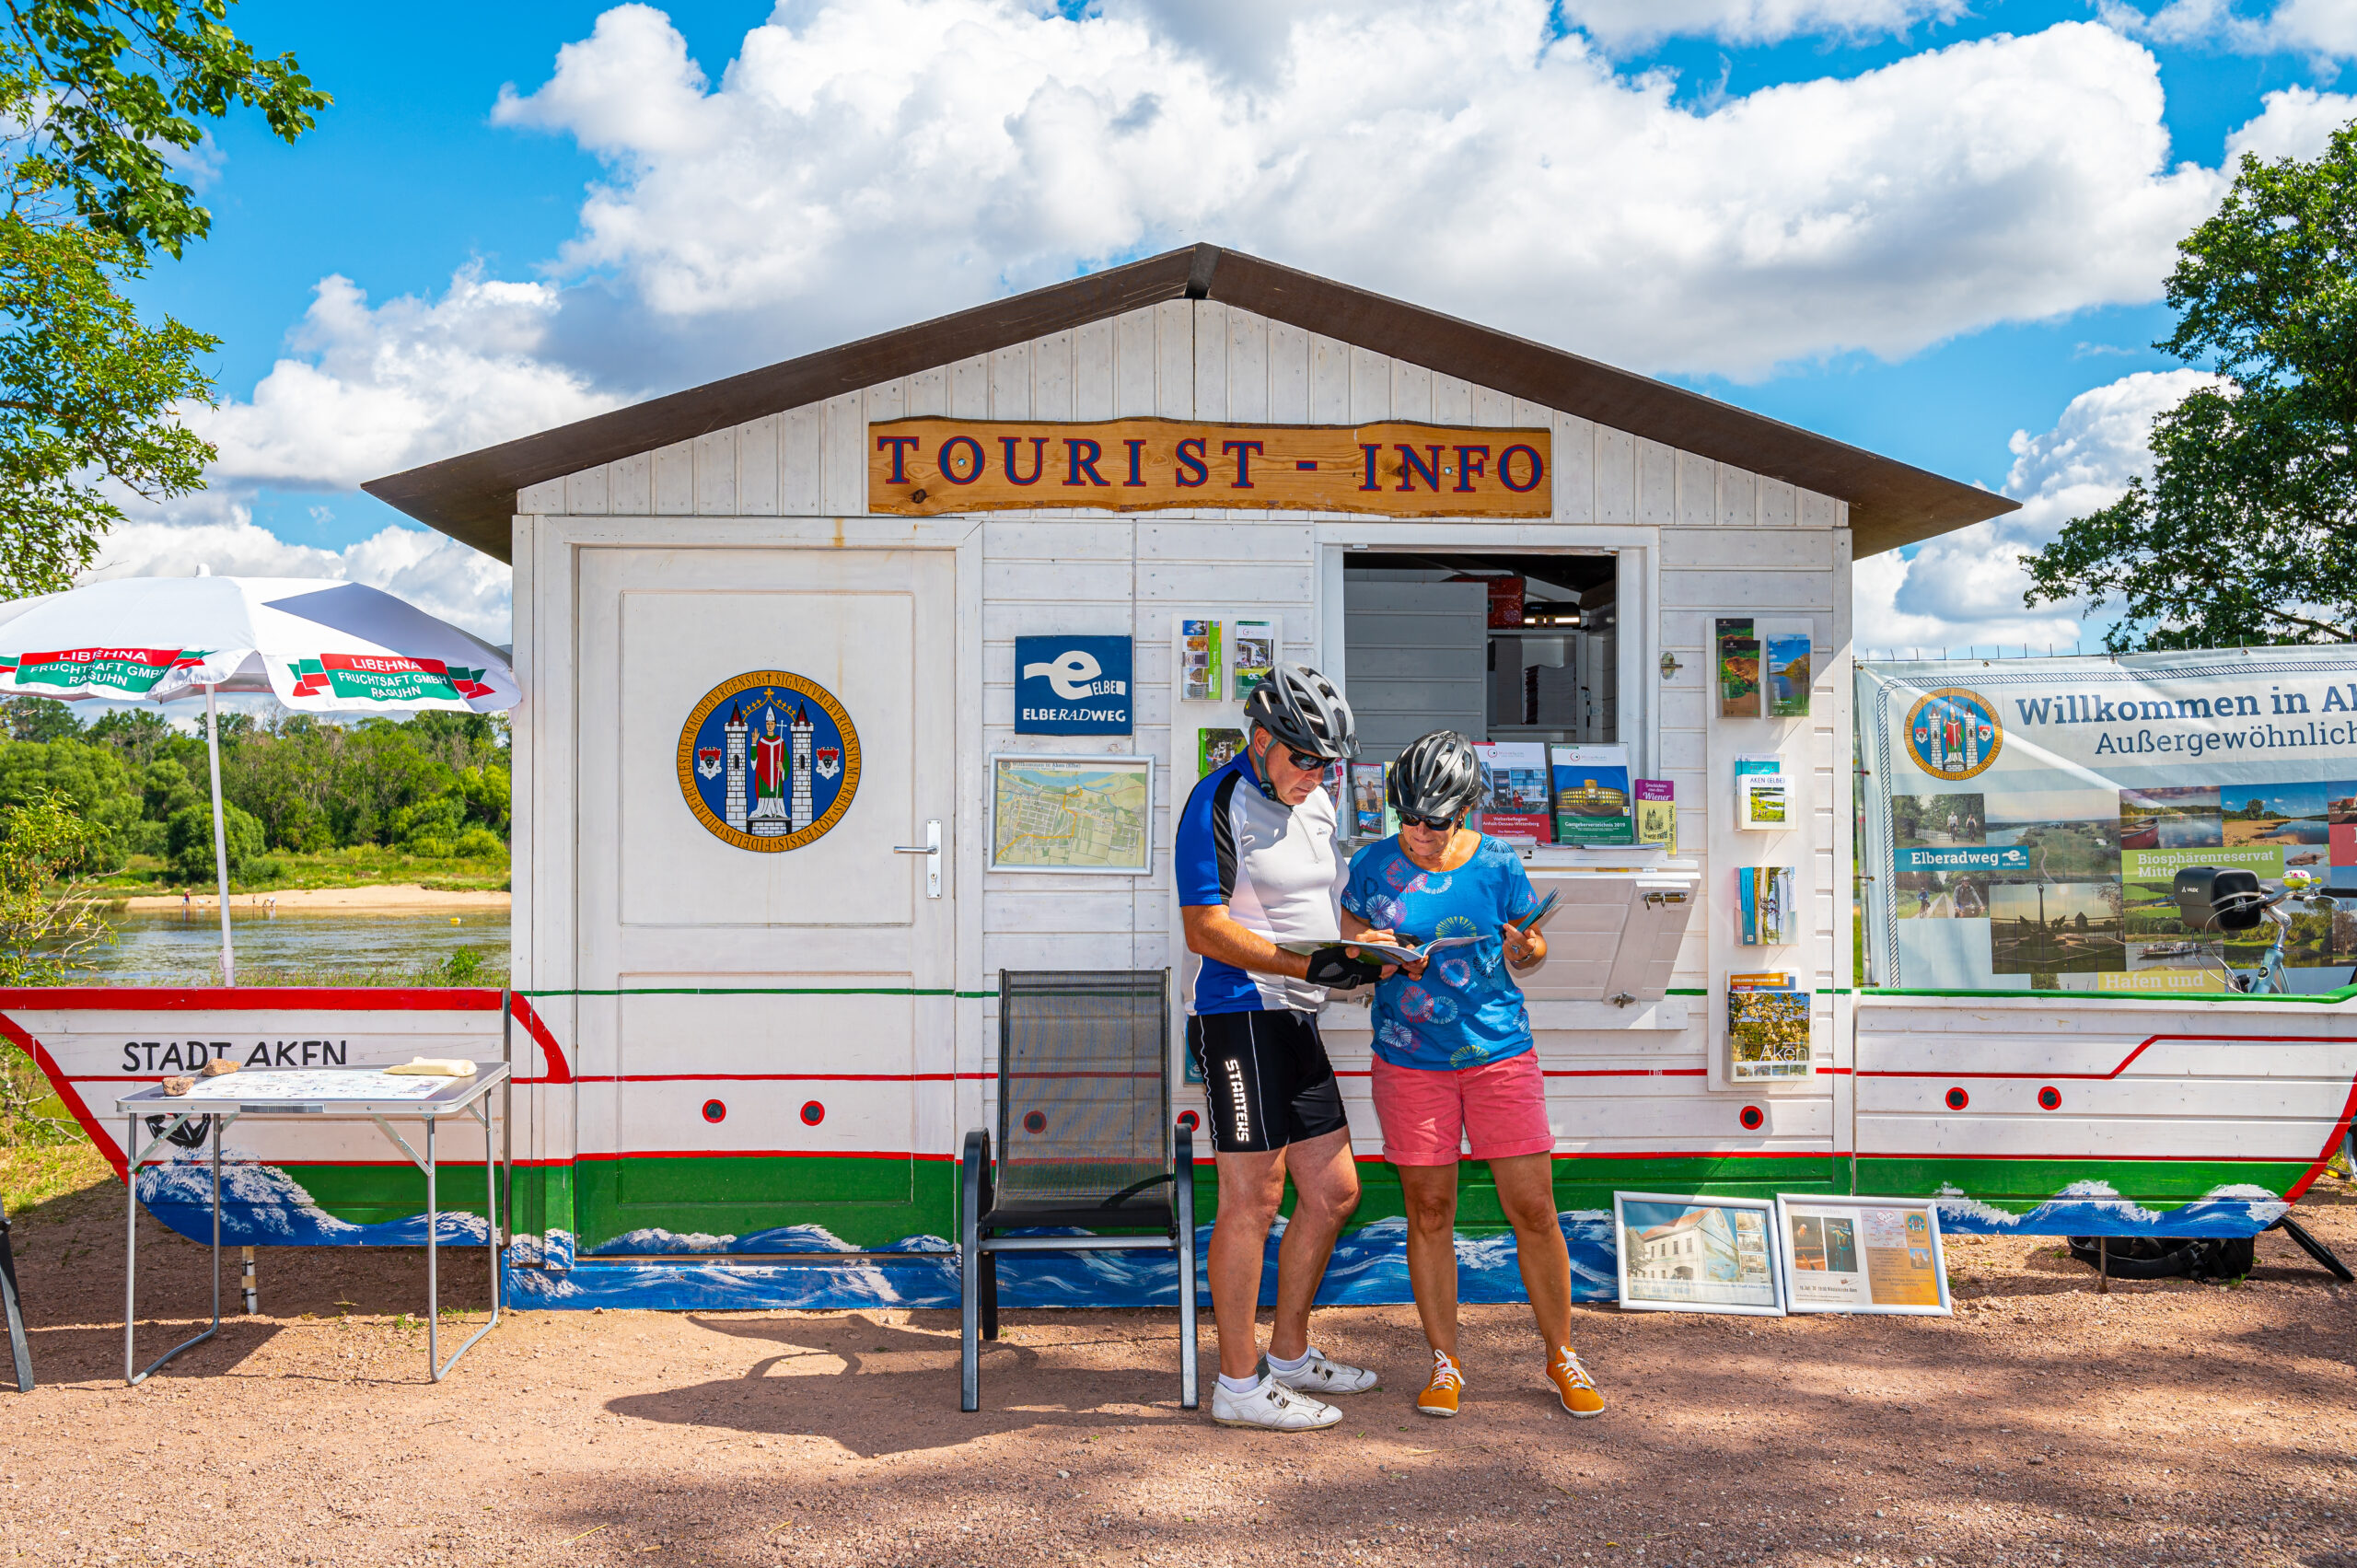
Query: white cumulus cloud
{"x":1966,"y":588}
{"x":2296,"y":122}
{"x":2325,"y":30}
{"x":864,"y":163}
{"x":371,"y":390}
{"x":433,"y":572}
{"x":1622,"y":22}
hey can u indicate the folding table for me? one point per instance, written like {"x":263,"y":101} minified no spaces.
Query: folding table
{"x":348,"y":1093}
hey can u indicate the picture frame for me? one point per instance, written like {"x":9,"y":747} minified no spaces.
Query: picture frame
{"x":1879,"y":1257}
{"x":1677,"y":1253}
{"x":1113,"y":838}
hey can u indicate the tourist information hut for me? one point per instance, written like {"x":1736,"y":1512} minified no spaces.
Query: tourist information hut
{"x":854,"y":681}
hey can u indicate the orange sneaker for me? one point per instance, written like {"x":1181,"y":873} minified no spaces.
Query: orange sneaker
{"x":1439,"y":1397}
{"x":1573,"y":1384}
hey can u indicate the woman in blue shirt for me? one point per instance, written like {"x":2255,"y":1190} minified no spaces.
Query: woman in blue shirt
{"x":1453,"y":1056}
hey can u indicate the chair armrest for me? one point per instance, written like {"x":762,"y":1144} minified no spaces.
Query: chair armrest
{"x":976,"y":1190}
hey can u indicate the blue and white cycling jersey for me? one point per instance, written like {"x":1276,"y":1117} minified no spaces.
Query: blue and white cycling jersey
{"x":1272,"y":865}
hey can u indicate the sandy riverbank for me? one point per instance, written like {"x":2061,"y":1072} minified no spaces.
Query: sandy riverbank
{"x":389,"y":900}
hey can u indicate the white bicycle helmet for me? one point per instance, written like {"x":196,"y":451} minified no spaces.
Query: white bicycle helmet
{"x":1437,"y":777}
{"x":1304,"y":712}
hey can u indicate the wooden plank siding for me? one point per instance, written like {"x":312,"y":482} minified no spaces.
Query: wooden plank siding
{"x":1723,"y":540}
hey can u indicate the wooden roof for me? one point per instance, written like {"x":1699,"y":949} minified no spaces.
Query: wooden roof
{"x":472,"y":497}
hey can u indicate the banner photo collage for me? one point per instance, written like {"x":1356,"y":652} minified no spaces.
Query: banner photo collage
{"x":2027,"y":819}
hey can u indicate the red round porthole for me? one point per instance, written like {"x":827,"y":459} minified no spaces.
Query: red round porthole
{"x":1753,"y":1119}
{"x":1190,"y":1120}
{"x":1958,"y":1099}
{"x":714,"y":1110}
{"x":2049,"y":1098}
{"x":813,"y":1113}
{"x":1035,"y":1122}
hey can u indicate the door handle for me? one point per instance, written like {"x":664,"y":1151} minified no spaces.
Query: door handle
{"x":931,"y":850}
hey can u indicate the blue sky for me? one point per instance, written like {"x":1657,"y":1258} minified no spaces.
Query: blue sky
{"x":1919,"y":226}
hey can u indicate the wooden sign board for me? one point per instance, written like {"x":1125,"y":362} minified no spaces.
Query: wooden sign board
{"x":919,"y":466}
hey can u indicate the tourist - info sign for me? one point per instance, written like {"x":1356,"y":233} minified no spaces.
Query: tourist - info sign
{"x":1072,"y":685}
{"x":923,"y":466}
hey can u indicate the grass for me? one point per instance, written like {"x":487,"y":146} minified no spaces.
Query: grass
{"x":356,"y":867}
{"x":40,"y":1174}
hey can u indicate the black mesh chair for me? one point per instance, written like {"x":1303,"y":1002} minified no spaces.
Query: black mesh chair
{"x":1084,"y":1141}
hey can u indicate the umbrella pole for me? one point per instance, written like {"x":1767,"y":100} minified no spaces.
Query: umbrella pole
{"x":220,"y":836}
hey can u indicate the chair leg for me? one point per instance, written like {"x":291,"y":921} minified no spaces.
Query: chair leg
{"x":989,"y":1296}
{"x":1183,"y":1208}
{"x":969,"y":1265}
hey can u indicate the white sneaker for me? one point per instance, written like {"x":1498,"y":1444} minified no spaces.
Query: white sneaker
{"x":1270,"y":1405}
{"x":1321,"y":1377}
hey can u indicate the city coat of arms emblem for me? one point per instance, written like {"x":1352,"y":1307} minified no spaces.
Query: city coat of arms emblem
{"x":768,"y":761}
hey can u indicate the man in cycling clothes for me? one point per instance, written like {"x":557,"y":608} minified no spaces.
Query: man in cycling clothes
{"x":1256,"y":867}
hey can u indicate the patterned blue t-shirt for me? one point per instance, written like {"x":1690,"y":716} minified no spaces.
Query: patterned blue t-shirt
{"x":1467,"y":1011}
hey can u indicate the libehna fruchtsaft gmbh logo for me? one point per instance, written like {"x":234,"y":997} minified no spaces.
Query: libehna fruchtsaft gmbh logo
{"x":768,"y":761}
{"x":1954,"y":734}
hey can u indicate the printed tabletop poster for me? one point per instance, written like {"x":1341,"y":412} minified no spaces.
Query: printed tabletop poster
{"x":2033,"y":816}
{"x":1847,"y":1255}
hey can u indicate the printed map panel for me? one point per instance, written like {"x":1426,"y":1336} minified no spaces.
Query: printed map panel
{"x":1088,"y":814}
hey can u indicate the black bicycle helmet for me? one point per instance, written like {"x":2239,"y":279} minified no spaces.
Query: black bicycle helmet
{"x":1302,"y":709}
{"x":1438,"y":776}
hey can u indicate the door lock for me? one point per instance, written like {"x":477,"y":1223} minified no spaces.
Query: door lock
{"x":931,"y":850}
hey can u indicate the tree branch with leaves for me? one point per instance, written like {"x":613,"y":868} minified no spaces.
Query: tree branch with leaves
{"x":2247,"y":530}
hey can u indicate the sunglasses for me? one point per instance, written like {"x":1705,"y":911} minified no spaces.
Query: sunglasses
{"x":1437,"y":824}
{"x":1308,"y":763}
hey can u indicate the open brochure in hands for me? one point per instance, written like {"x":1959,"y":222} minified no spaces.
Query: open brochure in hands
{"x":1389,"y":952}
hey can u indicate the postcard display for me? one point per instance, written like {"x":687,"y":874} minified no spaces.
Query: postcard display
{"x":1760,"y":681}
{"x":2026,"y":825}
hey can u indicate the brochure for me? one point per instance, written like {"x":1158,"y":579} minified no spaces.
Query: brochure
{"x":1768,"y":1032}
{"x":1546,"y":907}
{"x":1199,"y":667}
{"x":1784,"y":654}
{"x":1759,"y":796}
{"x":1254,"y":646}
{"x":1215,"y":748}
{"x":1657,"y":813}
{"x":1738,"y":658}
{"x":1765,"y":895}
{"x":1513,"y":789}
{"x":1591,"y":784}
{"x":1390,"y":953}
{"x":1370,"y":813}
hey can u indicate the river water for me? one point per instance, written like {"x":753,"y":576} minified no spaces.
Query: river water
{"x":318,"y":947}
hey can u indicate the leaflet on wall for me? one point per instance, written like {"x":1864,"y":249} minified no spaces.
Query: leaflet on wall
{"x":1513,"y":790}
{"x":1762,"y":802}
{"x":1253,"y":653}
{"x":1764,"y":897}
{"x":1784,"y":665}
{"x":1657,"y":813}
{"x":1768,"y":1027}
{"x":1215,"y":748}
{"x":1370,"y":812}
{"x":1738,"y":669}
{"x":1592,"y":789}
{"x":1200,"y":664}
{"x":2034,"y":815}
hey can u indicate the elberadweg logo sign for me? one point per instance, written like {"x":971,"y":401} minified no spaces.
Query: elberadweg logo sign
{"x":1072,"y":685}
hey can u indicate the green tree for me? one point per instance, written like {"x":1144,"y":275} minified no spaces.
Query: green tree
{"x":2243,"y":535}
{"x":91,"y":780}
{"x":189,"y":843}
{"x":46,"y":920}
{"x":98,"y":98}
{"x":39,"y":718}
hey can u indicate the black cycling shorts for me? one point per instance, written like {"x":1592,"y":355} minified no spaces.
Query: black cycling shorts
{"x":1267,"y":1078}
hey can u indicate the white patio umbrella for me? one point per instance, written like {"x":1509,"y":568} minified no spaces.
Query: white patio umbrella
{"x":319,"y":647}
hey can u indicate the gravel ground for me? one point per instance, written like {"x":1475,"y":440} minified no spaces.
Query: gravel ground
{"x":2160,"y":1423}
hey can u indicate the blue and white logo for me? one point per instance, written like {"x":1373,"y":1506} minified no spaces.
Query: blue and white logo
{"x":1072,"y":685}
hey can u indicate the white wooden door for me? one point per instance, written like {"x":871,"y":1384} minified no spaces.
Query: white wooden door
{"x":768,"y":1019}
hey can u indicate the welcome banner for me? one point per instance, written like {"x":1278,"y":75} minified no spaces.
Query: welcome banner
{"x":2025,"y":820}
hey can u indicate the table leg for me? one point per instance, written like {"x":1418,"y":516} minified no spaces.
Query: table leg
{"x":134,"y":1158}
{"x":432,"y":1281}
{"x":491,"y":1234}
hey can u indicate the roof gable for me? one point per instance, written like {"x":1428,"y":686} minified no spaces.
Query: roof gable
{"x":472,"y":497}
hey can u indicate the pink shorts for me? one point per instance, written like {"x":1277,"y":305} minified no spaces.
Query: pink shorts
{"x":1499,"y":1108}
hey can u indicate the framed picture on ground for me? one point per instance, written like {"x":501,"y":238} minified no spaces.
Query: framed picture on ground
{"x":1862,"y":1255}
{"x":1697,"y":1254}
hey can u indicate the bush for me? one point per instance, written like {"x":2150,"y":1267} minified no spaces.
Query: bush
{"x":146,"y":838}
{"x":188,"y":842}
{"x":429,"y":827}
{"x":478,"y":843}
